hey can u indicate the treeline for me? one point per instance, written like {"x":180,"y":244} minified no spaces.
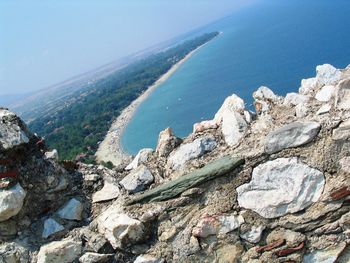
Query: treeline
{"x":78,"y":128}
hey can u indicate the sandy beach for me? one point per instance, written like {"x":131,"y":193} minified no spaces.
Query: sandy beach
{"x":110,"y":149}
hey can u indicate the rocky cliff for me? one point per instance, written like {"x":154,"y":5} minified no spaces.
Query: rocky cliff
{"x":265,"y":186}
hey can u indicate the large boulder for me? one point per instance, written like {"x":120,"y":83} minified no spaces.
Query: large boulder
{"x":72,"y":210}
{"x":291,"y":135}
{"x":11,"y":201}
{"x":140,"y":158}
{"x":120,"y":229}
{"x":190,"y":151}
{"x":13,"y":131}
{"x":281,"y":186}
{"x":137,"y":180}
{"x":64,"y":251}
{"x":167,"y":142}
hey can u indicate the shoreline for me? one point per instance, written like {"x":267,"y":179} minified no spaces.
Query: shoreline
{"x":110,"y":149}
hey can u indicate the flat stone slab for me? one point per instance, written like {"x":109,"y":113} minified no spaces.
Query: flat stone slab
{"x":281,"y":186}
{"x":176,"y":187}
{"x":291,"y":135}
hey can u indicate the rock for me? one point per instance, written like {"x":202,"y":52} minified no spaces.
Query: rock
{"x":179,"y":185}
{"x":265,"y":97}
{"x":137,"y":180}
{"x":13,"y":253}
{"x":295,"y":99}
{"x":11,"y":201}
{"x":141,"y":157}
{"x":291,"y":135}
{"x":345,"y":164}
{"x":205,"y":125}
{"x":229,"y":254}
{"x":343,"y":95}
{"x":108,"y":192}
{"x":52,"y":155}
{"x":91,"y":257}
{"x":281,"y":186}
{"x":148,"y":259}
{"x":234,"y":127}
{"x":191,"y":151}
{"x":307,"y":86}
{"x":301,"y":110}
{"x":167,"y":142}
{"x":254,"y":234}
{"x":342,"y":132}
{"x":120,"y":229}
{"x":72,"y":210}
{"x":327,"y":75}
{"x":329,"y":255}
{"x":13,"y":131}
{"x":217,"y":225}
{"x":230,"y":105}
{"x":324,"y":109}
{"x":64,"y":251}
{"x":51,"y":227}
{"x":291,"y":238}
{"x":92,"y":177}
{"x":325,"y":94}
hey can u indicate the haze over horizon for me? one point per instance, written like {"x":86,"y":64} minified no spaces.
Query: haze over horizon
{"x":46,"y":43}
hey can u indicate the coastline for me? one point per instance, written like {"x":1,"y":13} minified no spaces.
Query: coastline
{"x":110,"y":149}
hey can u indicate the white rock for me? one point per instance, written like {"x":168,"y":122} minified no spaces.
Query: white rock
{"x":231,"y":104}
{"x":301,"y":110}
{"x":345,"y":164}
{"x":325,"y":94}
{"x":264,"y":93}
{"x":51,"y":227}
{"x":141,"y":157}
{"x":342,"y":133}
{"x":307,"y":86}
{"x":11,"y":201}
{"x":109,"y":191}
{"x":92,"y":177}
{"x":52,"y":155}
{"x":191,"y":151}
{"x":291,"y":135}
{"x":281,"y":186}
{"x":234,"y":127}
{"x":12,"y":130}
{"x":295,"y":99}
{"x":254,"y":234}
{"x":118,"y":228}
{"x":324,"y":109}
{"x":148,"y":259}
{"x":248,"y":115}
{"x":205,"y":125}
{"x":327,"y":74}
{"x":217,"y":225}
{"x":91,"y":257}
{"x":343,"y":95}
{"x":167,"y":142}
{"x":137,"y":180}
{"x":72,"y":210}
{"x":64,"y":251}
{"x":328,"y":255}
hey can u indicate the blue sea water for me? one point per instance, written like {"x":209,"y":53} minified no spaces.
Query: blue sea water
{"x":272,"y":43}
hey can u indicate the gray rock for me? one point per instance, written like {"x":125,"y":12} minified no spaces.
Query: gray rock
{"x":167,"y":142}
{"x":254,"y":234}
{"x":109,"y":191}
{"x":137,"y":180}
{"x":342,"y":133}
{"x":11,"y":201}
{"x":279,"y":187}
{"x":51,"y":227}
{"x":72,"y":210}
{"x":64,"y":251}
{"x":343,"y":95}
{"x":13,"y":131}
{"x":13,"y":253}
{"x":191,"y":151}
{"x":291,"y":135}
{"x":140,"y":158}
{"x":91,"y":257}
{"x":328,"y":255}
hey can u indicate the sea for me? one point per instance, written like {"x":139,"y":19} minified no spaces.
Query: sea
{"x":273,"y":43}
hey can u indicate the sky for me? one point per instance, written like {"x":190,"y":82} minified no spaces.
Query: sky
{"x":45,"y":42}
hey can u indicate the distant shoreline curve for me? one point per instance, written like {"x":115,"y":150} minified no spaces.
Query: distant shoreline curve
{"x":111,"y":149}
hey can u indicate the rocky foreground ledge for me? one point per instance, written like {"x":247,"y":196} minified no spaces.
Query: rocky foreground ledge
{"x":268,"y":186}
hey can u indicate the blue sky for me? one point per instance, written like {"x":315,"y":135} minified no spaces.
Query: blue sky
{"x":45,"y":42}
